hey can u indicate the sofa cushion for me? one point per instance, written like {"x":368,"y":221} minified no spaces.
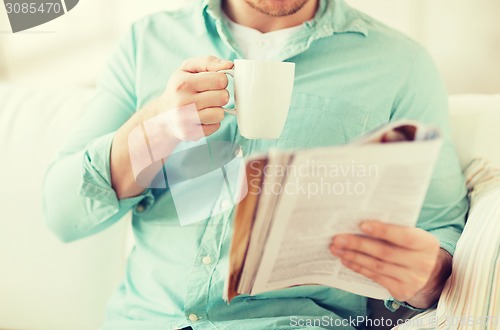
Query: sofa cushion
{"x":470,"y":296}
{"x":473,"y":290}
{"x":475,"y":121}
{"x":45,"y":284}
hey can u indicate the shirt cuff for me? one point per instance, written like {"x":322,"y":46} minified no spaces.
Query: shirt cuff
{"x":393,"y":305}
{"x":96,"y":183}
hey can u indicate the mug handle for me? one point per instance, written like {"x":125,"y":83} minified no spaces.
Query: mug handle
{"x":231,"y":73}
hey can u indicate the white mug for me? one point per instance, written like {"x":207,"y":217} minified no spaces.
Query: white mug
{"x":262,"y":93}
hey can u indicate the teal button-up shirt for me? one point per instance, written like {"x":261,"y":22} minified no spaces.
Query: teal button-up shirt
{"x":352,"y":74}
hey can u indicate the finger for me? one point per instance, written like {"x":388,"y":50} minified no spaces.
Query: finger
{"x":382,"y":279}
{"x":407,"y":237}
{"x":211,"y":116}
{"x":207,"y":81}
{"x":374,"y":264}
{"x":211,"y":99}
{"x":210,"y":129}
{"x":205,"y":64}
{"x":389,"y":283}
{"x":375,"y":248}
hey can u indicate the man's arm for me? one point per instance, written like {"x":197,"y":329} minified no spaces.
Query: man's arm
{"x":414,"y":263}
{"x":78,"y":199}
{"x":90,"y":186}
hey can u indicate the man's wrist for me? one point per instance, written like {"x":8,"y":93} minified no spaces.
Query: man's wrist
{"x":125,"y":182}
{"x":430,"y":293}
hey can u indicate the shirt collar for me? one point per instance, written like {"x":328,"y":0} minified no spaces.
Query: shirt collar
{"x":332,"y":16}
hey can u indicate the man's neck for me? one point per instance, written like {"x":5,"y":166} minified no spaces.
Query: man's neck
{"x":242,"y":13}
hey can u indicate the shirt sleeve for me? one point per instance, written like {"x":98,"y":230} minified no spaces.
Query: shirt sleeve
{"x":423,"y":97}
{"x":78,"y":198}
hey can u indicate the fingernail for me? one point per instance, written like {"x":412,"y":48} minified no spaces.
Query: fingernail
{"x":366,"y":227}
{"x":340,"y":241}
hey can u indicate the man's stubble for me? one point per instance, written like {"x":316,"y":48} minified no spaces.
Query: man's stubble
{"x":277,"y":8}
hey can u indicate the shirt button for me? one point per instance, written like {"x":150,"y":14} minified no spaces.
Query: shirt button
{"x":225,"y":204}
{"x":193,"y":317}
{"x":140,"y":208}
{"x":395,"y":305}
{"x":206,"y":260}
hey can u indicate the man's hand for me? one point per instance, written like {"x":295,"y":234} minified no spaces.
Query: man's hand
{"x":195,"y":82}
{"x":406,"y":261}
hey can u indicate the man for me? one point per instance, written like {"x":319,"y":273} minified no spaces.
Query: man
{"x":352,"y":74}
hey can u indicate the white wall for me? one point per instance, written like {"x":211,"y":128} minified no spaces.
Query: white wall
{"x":463,"y":36}
{"x":73,"y":48}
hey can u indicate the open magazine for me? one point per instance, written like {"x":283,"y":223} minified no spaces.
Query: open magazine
{"x":298,"y":200}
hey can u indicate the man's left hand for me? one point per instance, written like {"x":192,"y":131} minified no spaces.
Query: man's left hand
{"x":406,"y":261}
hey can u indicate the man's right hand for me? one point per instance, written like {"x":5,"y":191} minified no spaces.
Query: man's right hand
{"x":195,"y":82}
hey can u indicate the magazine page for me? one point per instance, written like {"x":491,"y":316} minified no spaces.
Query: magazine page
{"x":330,"y":191}
{"x":271,"y":176}
{"x":398,"y":131}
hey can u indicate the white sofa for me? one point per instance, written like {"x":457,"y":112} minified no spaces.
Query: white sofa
{"x":45,"y":284}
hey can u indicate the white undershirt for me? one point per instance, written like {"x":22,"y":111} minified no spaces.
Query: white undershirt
{"x":256,"y":45}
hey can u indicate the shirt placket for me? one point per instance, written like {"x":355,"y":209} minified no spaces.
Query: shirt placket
{"x":207,"y":259}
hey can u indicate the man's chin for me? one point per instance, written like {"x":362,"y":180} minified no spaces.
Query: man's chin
{"x":277,"y":8}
